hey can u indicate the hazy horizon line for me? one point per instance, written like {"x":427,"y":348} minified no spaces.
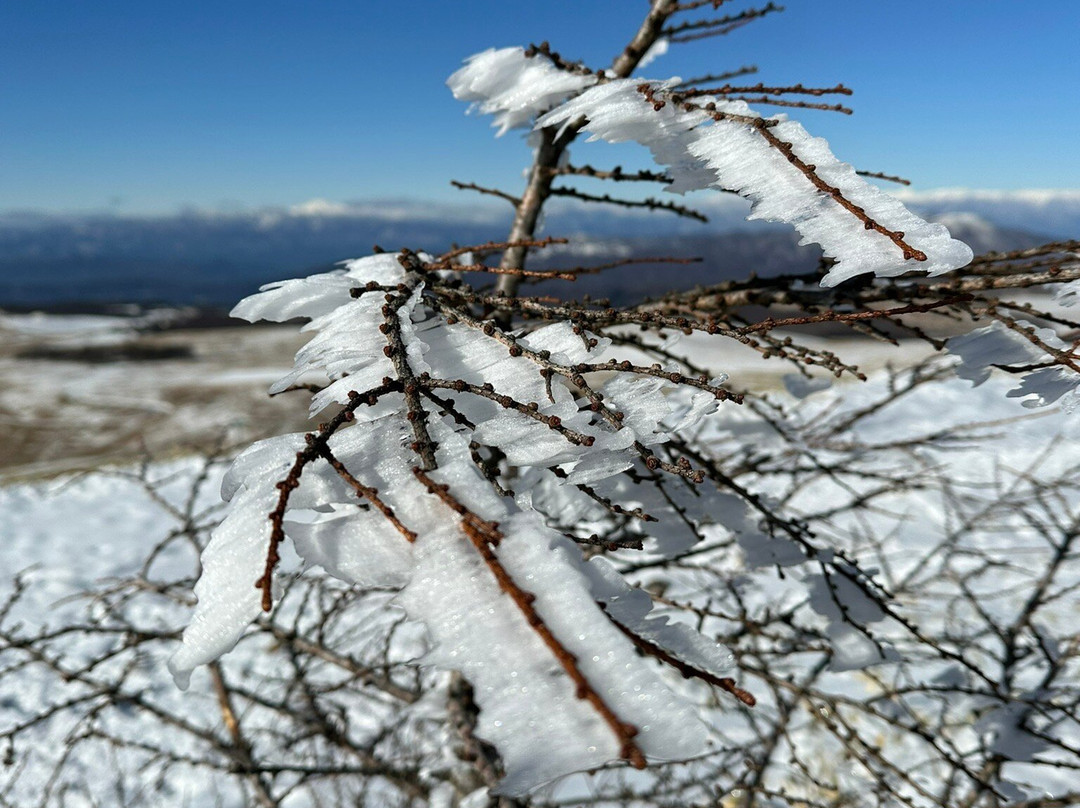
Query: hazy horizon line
{"x":402,"y":207}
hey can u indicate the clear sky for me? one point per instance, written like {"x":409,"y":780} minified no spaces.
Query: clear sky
{"x":155,"y":106}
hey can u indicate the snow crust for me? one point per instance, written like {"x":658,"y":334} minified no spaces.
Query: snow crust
{"x":513,"y":87}
{"x":733,"y":155}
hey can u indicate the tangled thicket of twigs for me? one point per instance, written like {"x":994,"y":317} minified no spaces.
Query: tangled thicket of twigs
{"x":324,"y":703}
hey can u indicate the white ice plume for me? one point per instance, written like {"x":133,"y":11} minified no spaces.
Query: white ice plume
{"x":735,"y":154}
{"x":514,"y":87}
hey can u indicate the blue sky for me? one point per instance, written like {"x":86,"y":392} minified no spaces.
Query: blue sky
{"x":143,"y":107}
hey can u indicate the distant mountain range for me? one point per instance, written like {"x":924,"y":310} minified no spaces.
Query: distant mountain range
{"x":212,"y":259}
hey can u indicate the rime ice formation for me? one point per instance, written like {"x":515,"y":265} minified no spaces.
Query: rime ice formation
{"x":731,"y":152}
{"x":526,"y":692}
{"x":1068,"y":294}
{"x":996,"y":345}
{"x":512,"y":86}
{"x":562,"y":652}
{"x":734,"y":154}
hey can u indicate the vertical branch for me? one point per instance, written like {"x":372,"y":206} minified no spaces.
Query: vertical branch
{"x":239,"y":748}
{"x":552,"y":147}
{"x":463,"y":713}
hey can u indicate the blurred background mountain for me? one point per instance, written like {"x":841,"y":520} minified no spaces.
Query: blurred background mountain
{"x":95,"y":261}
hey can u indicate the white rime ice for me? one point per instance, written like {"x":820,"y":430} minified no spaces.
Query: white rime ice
{"x":526,"y":695}
{"x":562,"y":652}
{"x":1068,"y":294}
{"x":996,"y":345}
{"x":513,"y":87}
{"x":733,"y":155}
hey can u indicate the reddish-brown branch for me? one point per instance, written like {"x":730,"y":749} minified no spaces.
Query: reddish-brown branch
{"x":808,"y":171}
{"x":472,"y":186}
{"x":616,"y":174}
{"x":366,"y":492}
{"x":681,"y":379}
{"x":659,"y":99}
{"x":1061,"y":357}
{"x":544,"y":49}
{"x":622,"y":262}
{"x":695,"y":4}
{"x":484,"y":268}
{"x":830,"y":316}
{"x":763,"y":126}
{"x":396,"y":351}
{"x":877,"y":175}
{"x":1043,"y":250}
{"x":780,"y":102}
{"x":745,"y":70}
{"x":648,"y":204}
{"x":685,"y":668}
{"x":315,"y":443}
{"x":719,"y":25}
{"x":488,"y":529}
{"x":553,"y":143}
{"x":793,"y":89}
{"x":484,"y":536}
{"x":613,"y":507}
{"x":530,"y":410}
{"x":493,"y":246}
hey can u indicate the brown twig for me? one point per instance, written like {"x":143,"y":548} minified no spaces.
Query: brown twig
{"x":685,"y":668}
{"x":472,"y":186}
{"x":877,"y":175}
{"x":315,"y":443}
{"x":792,"y":89}
{"x":366,"y":492}
{"x":649,"y":204}
{"x":485,"y":536}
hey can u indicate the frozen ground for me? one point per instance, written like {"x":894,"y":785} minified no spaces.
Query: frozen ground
{"x":77,"y":391}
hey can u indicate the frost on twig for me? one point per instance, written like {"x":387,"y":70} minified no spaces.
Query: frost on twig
{"x":788,"y":175}
{"x":403,"y":487}
{"x":475,"y":439}
{"x":513,"y":87}
{"x":1049,"y":369}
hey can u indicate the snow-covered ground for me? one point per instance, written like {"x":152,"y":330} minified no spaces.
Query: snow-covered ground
{"x":71,"y":532}
{"x":82,"y":390}
{"x":82,"y":328}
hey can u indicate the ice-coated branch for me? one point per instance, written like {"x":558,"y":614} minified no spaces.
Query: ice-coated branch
{"x":460,"y":408}
{"x":484,"y":537}
{"x":513,"y":86}
{"x":495,"y":81}
{"x":788,"y":175}
{"x":316,"y":448}
{"x":782,"y":102}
